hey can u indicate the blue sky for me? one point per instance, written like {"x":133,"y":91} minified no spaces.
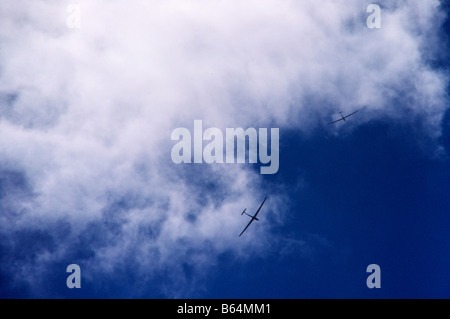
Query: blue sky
{"x":375,"y":197}
{"x":86,"y":176}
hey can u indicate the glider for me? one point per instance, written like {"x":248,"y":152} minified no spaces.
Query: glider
{"x":253,"y":217}
{"x":343,"y":118}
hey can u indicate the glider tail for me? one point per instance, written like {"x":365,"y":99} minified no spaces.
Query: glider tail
{"x":249,"y":215}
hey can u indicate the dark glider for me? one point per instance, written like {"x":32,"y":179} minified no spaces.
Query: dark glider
{"x":343,"y":118}
{"x":253,"y":217}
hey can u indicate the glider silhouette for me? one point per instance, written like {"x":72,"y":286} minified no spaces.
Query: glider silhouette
{"x":253,"y":217}
{"x":343,"y":118}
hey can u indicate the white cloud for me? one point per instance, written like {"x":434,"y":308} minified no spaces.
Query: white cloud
{"x":94,"y":107}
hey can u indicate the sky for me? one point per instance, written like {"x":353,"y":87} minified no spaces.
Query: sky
{"x":92,"y":91}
